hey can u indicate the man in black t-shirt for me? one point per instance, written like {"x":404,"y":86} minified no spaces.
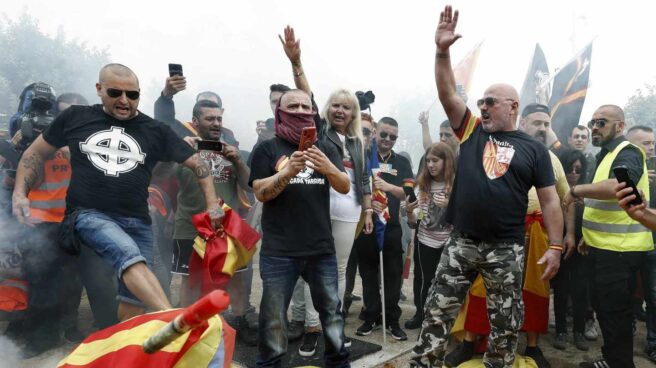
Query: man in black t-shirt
{"x":113,"y":149}
{"x":497,"y":166}
{"x":297,"y":238}
{"x":394,"y":169}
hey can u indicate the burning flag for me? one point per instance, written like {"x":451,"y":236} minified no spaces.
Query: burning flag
{"x":570,"y":87}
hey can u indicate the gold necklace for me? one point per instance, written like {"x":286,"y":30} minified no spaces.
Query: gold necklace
{"x":385,"y":159}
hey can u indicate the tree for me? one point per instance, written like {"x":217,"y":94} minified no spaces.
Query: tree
{"x":641,"y":107}
{"x":29,"y":55}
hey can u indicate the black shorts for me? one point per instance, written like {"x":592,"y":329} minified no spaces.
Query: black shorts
{"x":182,"y":249}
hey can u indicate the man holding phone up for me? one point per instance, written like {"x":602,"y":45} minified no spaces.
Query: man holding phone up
{"x":297,"y":239}
{"x":618,"y":244}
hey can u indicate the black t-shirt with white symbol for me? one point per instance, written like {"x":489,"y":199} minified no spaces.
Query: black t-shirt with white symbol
{"x":394,"y":169}
{"x":297,"y":222}
{"x":112,"y":160}
{"x":495,"y":172}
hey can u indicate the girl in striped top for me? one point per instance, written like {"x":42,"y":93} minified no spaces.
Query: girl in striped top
{"x":426,"y":214}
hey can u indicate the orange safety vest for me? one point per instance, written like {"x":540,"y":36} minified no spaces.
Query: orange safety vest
{"x":48,"y":201}
{"x":13,"y":295}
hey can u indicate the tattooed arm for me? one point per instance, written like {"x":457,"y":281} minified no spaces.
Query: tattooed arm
{"x":202,"y":171}
{"x":269,"y":188}
{"x":30,"y":169}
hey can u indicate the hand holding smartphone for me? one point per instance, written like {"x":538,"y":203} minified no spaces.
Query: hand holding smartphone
{"x":308,"y":136}
{"x":410,"y":192}
{"x":622,"y":176}
{"x":208,"y":145}
{"x":175,"y":69}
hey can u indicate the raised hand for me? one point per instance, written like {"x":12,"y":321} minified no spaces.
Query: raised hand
{"x":291,"y":45}
{"x":423,"y":117}
{"x":445,"y":34}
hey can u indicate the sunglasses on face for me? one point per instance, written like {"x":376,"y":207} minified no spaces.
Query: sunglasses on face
{"x":115,"y":93}
{"x":599,"y":123}
{"x":384,"y":135}
{"x":366,"y":132}
{"x":490,"y":101}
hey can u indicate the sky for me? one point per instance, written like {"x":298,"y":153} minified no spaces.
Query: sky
{"x":388,"y":47}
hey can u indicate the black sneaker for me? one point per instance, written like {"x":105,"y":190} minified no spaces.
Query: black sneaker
{"x":462,"y":353}
{"x":245,"y":333}
{"x":414,"y":322}
{"x":536,"y":354}
{"x":309,"y":345}
{"x":580,"y":342}
{"x":396,"y":332}
{"x":73,"y":335}
{"x":601,"y":363}
{"x":560,"y":341}
{"x":295,"y":330}
{"x":367,"y":328}
{"x":347,"y":342}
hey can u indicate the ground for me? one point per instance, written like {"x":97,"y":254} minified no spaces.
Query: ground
{"x":394,"y":354}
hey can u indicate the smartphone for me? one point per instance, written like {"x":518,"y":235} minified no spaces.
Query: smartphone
{"x":651,"y":163}
{"x":410,"y":192}
{"x":622,"y":176}
{"x":207,"y":145}
{"x":175,"y":69}
{"x":308,"y":136}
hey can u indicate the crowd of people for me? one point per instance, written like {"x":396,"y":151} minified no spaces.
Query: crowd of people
{"x":500,"y":212}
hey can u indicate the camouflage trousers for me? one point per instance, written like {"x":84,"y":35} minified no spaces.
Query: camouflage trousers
{"x":500,"y":265}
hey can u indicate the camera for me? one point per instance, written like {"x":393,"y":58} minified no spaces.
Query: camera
{"x":38,"y":102}
{"x":365,"y":99}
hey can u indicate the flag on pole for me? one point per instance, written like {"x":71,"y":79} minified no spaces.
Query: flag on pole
{"x":210,"y":345}
{"x":570,"y":87}
{"x":464,"y":71}
{"x":536,"y":82}
{"x":379,"y":220}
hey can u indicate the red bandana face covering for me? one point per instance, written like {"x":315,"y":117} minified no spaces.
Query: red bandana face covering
{"x":289,"y":125}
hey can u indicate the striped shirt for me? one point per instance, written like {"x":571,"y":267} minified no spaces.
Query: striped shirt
{"x":431,"y":231}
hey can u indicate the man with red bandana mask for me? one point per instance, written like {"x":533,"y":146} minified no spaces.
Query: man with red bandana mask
{"x":294,"y":187}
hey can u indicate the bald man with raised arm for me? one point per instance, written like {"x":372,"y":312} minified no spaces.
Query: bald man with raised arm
{"x":114,"y":148}
{"x":497,"y":166}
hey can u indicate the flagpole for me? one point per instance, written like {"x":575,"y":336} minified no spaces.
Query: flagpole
{"x":382,"y":296}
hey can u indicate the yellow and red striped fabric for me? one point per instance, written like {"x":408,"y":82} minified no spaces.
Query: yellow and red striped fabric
{"x":210,"y":345}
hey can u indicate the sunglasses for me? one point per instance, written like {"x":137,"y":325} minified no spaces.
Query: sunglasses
{"x":490,"y":101}
{"x":599,"y":123}
{"x":115,"y":93}
{"x":366,"y":132}
{"x":384,"y":135}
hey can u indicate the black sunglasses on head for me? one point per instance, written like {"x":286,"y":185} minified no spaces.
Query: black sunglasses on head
{"x":366,"y":132}
{"x":115,"y":93}
{"x":384,"y":135}
{"x":490,"y":101}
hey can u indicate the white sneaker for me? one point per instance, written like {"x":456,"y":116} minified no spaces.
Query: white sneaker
{"x":590,"y":332}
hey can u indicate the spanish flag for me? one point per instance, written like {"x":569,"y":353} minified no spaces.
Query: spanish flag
{"x":218,"y":253}
{"x":210,"y":345}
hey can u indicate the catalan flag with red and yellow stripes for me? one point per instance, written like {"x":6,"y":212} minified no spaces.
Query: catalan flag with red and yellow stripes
{"x":210,"y":345}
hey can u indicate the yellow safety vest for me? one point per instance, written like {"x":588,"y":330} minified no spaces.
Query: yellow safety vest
{"x":605,"y":225}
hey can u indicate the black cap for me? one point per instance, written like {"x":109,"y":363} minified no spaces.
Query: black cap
{"x":535,"y":107}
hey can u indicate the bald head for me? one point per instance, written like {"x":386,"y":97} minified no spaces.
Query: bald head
{"x":499,"y":108}
{"x":502,"y":90}
{"x":118,"y":70}
{"x":612,"y":111}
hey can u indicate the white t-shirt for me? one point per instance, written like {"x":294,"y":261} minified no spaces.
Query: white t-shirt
{"x":345,"y":207}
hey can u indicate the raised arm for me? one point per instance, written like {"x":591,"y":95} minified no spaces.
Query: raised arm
{"x":445,"y":80}
{"x":292,"y":48}
{"x":425,"y":130}
{"x":30,"y":169}
{"x":164,"y":105}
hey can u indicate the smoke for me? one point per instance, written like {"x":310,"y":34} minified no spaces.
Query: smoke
{"x":9,"y":352}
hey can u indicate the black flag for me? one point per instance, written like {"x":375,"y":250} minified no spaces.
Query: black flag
{"x":536,"y":86}
{"x":570,"y":86}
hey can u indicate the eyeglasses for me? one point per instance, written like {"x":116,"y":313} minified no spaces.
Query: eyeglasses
{"x":384,"y":135}
{"x":366,"y":132}
{"x":490,"y":101}
{"x":580,"y":136}
{"x":599,"y":123}
{"x":115,"y":93}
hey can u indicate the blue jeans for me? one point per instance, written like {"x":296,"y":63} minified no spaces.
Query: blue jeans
{"x":279,"y":276}
{"x":120,"y":241}
{"x":649,"y":282}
